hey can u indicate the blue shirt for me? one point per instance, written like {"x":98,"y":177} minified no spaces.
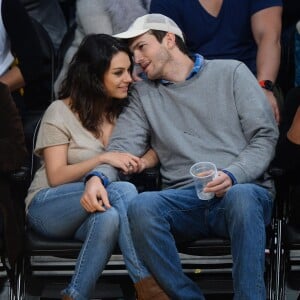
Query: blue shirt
{"x":198,"y":62}
{"x":228,"y":35}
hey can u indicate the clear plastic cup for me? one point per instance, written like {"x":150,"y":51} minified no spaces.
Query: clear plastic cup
{"x":203,"y":173}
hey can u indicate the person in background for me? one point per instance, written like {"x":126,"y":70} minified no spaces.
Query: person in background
{"x":73,"y":134}
{"x":297,"y":55}
{"x":190,"y":110}
{"x":20,"y":62}
{"x":50,"y":15}
{"x":288,"y":147}
{"x":232,"y":29}
{"x":100,"y":16}
{"x":12,"y":156}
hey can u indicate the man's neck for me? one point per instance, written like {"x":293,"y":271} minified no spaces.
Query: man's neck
{"x":179,"y":69}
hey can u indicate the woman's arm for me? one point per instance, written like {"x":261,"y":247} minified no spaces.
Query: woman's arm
{"x":60,"y":172}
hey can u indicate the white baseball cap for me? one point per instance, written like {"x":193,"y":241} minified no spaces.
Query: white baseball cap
{"x":150,"y":21}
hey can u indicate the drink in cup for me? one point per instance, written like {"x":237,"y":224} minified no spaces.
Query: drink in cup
{"x":203,"y":173}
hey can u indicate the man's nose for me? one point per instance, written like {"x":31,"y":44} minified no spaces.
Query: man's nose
{"x":137,"y":57}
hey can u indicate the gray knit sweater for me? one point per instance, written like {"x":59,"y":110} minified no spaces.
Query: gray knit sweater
{"x":220,"y":115}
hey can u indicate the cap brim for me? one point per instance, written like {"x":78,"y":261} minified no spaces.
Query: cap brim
{"x":130,"y":34}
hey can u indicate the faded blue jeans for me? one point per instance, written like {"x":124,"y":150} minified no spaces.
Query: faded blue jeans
{"x":57,"y":213}
{"x":158,"y":219}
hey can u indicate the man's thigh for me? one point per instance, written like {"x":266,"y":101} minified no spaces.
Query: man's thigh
{"x":242,"y":201}
{"x":185,"y":213}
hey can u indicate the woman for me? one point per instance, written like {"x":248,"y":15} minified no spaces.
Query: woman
{"x":71,"y":141}
{"x":99,"y":16}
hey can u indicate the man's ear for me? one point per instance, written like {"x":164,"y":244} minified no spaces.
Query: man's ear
{"x":170,"y":40}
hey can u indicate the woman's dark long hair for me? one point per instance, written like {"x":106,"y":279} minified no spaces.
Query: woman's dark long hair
{"x":84,"y":81}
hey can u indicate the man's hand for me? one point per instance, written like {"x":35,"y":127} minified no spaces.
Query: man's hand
{"x":274,"y":105}
{"x":94,"y":197}
{"x":220,"y":185}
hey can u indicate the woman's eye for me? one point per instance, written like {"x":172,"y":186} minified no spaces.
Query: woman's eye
{"x":119,"y":73}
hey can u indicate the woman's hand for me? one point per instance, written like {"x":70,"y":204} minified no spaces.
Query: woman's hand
{"x":126,"y":162}
{"x":95,"y":196}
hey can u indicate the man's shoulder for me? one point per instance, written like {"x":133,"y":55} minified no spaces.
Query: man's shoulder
{"x":143,"y":86}
{"x":222,"y":62}
{"x":223,"y":66}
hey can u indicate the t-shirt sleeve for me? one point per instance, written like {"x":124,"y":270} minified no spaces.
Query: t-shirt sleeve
{"x":257,"y":5}
{"x":53,"y":129}
{"x":50,"y":135}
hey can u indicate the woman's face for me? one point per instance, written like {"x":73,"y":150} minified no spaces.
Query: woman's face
{"x":117,"y":78}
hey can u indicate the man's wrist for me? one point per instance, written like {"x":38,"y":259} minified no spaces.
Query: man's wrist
{"x":100,"y":175}
{"x":231,"y":176}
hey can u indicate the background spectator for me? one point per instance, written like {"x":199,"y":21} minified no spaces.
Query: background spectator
{"x":247,"y":31}
{"x":50,"y":15}
{"x":12,"y":156}
{"x":100,"y":16}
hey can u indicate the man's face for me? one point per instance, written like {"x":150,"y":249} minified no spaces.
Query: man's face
{"x":151,"y":55}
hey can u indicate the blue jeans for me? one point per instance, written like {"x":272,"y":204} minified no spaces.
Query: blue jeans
{"x":158,"y":219}
{"x":57,"y":213}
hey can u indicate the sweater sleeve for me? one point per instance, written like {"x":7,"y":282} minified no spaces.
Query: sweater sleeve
{"x":131,"y":134}
{"x":258,"y":125}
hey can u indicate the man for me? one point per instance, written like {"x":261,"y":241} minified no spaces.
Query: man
{"x":247,"y":30}
{"x":190,"y":110}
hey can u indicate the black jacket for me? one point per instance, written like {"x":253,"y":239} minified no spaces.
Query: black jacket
{"x":26,"y":47}
{"x":12,"y":156}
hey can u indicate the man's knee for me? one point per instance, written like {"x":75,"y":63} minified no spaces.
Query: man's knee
{"x":242,"y":201}
{"x":142,"y":207}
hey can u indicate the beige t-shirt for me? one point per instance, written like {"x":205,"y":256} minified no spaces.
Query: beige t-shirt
{"x":60,"y":126}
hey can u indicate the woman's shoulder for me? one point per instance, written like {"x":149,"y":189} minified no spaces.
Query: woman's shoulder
{"x":57,"y":110}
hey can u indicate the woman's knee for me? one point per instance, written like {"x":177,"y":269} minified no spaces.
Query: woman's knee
{"x":121,"y":191}
{"x":105,"y":223}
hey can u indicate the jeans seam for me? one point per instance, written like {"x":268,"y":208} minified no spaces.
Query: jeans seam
{"x":119,"y":195}
{"x":83,"y":252}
